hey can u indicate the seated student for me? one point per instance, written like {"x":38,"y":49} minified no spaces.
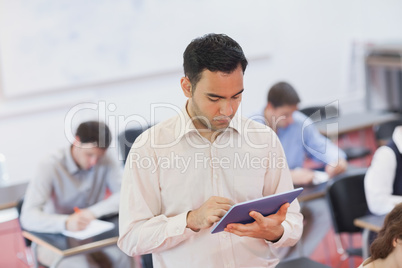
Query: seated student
{"x":76,"y":176}
{"x":383,"y":181}
{"x":386,"y":249}
{"x":299,"y":143}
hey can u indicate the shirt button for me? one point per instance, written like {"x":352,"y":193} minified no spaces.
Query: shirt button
{"x":177,"y":231}
{"x":156,"y":243}
{"x":215,"y":176}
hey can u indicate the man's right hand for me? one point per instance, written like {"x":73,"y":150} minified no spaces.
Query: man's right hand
{"x":79,"y":220}
{"x":209,"y":213}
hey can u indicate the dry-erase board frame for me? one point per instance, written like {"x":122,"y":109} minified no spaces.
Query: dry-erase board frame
{"x":267,"y":205}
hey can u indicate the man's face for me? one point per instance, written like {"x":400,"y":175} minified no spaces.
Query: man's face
{"x":279,"y":117}
{"x":215,"y":100}
{"x":86,"y":155}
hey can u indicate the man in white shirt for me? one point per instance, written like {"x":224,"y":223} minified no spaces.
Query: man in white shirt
{"x":383,"y":180}
{"x":184,"y":174}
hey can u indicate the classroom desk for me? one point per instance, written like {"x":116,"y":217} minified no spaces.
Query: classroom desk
{"x":312,"y":191}
{"x":342,"y":124}
{"x":67,"y":246}
{"x":369,"y":223}
{"x":11,"y":193}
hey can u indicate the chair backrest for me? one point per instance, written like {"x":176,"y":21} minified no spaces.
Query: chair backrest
{"x":302,"y":262}
{"x":347,"y":200}
{"x":126,"y":140}
{"x":383,"y":132}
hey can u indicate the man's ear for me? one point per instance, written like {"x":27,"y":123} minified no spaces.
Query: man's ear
{"x":77,"y":141}
{"x":394,"y":242}
{"x":268,"y":107}
{"x":186,"y":87}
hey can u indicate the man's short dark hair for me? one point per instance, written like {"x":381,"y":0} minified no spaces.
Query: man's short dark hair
{"x":94,"y":132}
{"x":281,"y":94}
{"x":213,"y":52}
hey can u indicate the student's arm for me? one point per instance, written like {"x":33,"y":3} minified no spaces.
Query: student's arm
{"x":336,"y":168}
{"x":322,"y":150}
{"x":302,"y":176}
{"x":379,"y":180}
{"x":38,"y":193}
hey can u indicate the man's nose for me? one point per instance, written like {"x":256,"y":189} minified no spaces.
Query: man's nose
{"x":226,"y":108}
{"x":93,"y":161}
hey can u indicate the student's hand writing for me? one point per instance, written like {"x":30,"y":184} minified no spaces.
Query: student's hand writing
{"x":79,"y":220}
{"x":209,"y":213}
{"x":334,"y":169}
{"x":302,"y":176}
{"x":269,"y":228}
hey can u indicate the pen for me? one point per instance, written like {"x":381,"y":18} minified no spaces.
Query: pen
{"x":77,"y":210}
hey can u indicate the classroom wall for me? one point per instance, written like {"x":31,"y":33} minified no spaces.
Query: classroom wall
{"x":315,"y":45}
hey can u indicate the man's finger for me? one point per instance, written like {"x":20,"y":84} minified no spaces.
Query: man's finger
{"x":212,"y":219}
{"x":225,"y":207}
{"x":283,"y":210}
{"x":223,"y":200}
{"x":237,"y":232}
{"x":220,"y":213}
{"x":258,"y":217}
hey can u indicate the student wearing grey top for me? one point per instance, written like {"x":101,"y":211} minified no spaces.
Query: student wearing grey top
{"x":77,"y":176}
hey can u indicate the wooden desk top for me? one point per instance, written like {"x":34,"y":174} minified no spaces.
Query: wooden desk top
{"x":67,"y":246}
{"x":312,"y":191}
{"x":371,"y":222}
{"x":352,"y":122}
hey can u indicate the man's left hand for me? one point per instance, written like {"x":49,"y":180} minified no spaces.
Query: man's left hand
{"x":269,"y":228}
{"x":334,"y":169}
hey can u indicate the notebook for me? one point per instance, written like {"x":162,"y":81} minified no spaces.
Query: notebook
{"x":95,"y":227}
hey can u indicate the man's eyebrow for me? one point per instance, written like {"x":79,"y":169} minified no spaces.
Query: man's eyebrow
{"x":221,"y":97}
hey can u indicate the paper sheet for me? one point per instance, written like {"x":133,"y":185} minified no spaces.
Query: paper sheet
{"x":320,"y":177}
{"x":94,"y":228}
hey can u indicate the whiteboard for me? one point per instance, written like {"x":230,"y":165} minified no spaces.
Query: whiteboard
{"x":50,"y":45}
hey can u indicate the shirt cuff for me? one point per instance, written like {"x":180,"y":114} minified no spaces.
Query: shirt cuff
{"x":282,"y":240}
{"x":62,"y":222}
{"x":177,"y":225}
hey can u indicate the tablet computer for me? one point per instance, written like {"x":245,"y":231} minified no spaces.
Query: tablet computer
{"x":266,"y":205}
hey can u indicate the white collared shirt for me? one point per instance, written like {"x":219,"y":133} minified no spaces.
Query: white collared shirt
{"x":172,"y":169}
{"x":379,"y":179}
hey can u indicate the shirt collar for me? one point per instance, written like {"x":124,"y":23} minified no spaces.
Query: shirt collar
{"x":71,"y":166}
{"x":397,"y":137}
{"x":189,"y":126}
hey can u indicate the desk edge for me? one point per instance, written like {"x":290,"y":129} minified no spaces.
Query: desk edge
{"x":366,"y":225}
{"x":40,"y":242}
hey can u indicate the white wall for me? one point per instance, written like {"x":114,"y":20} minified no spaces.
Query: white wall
{"x":309,"y":44}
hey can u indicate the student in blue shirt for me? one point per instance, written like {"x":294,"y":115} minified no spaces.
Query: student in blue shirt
{"x":300,"y":139}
